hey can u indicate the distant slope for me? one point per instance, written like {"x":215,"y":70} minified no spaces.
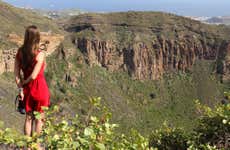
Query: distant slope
{"x":219,"y":20}
{"x":59,"y":14}
{"x":15,"y":20}
{"x":150,"y":23}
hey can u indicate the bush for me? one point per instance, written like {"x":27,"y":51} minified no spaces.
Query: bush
{"x":212,"y":132}
{"x":169,"y":138}
{"x":214,"y":126}
{"x":93,"y":133}
{"x":97,"y":133}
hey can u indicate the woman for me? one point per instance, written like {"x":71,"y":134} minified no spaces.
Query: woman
{"x":32,"y":86}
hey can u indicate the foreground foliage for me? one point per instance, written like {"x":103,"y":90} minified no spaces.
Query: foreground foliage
{"x":212,"y":131}
{"x":97,"y":133}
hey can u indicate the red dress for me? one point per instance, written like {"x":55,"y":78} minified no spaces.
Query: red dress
{"x":36,"y":92}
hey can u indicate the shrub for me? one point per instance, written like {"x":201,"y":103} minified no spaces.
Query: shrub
{"x":212,"y":132}
{"x":93,"y":133}
{"x":97,"y":133}
{"x":169,"y":138}
{"x":214,"y":126}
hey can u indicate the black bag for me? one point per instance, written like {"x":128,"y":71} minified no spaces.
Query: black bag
{"x":19,"y":105}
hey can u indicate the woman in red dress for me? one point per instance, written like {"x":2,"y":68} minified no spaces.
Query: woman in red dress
{"x":32,"y":86}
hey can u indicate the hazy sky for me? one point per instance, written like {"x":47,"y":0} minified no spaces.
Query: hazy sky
{"x":181,"y":7}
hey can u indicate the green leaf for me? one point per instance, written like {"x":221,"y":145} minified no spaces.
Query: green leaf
{"x":44,"y":108}
{"x":100,"y":146}
{"x":37,"y":115}
{"x":88,"y":132}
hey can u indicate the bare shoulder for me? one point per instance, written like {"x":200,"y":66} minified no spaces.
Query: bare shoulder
{"x":40,"y":56}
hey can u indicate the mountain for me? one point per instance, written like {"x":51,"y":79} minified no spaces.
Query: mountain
{"x":147,"y":67}
{"x":224,"y":20}
{"x":219,"y":20}
{"x":147,"y":44}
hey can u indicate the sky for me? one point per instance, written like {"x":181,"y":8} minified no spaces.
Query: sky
{"x":180,"y":7}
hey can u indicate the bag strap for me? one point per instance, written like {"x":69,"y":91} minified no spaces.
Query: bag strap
{"x":16,"y":101}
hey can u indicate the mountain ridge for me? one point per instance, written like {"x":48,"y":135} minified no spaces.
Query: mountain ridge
{"x":133,"y":40}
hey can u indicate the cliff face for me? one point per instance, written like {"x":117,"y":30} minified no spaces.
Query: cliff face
{"x":144,"y":61}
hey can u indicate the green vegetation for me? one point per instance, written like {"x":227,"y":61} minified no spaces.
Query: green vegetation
{"x":127,"y":27}
{"x":211,"y":132}
{"x":143,"y":105}
{"x":73,"y":133}
{"x":91,"y":132}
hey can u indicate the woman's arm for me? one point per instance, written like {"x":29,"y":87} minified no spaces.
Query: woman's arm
{"x":40,"y":59}
{"x":17,"y":72}
{"x":45,"y":61}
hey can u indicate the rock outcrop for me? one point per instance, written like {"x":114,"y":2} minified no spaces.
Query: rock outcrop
{"x":143,"y":61}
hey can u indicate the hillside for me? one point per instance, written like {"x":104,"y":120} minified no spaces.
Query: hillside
{"x":14,"y":20}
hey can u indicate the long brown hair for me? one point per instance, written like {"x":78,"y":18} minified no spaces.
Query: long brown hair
{"x":30,"y":45}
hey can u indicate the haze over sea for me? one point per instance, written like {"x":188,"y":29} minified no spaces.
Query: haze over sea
{"x":180,"y":7}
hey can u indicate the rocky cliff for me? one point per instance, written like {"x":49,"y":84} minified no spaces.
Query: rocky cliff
{"x":150,"y":62}
{"x":148,"y":57}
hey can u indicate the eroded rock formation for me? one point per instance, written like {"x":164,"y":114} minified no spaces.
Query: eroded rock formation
{"x":150,"y":61}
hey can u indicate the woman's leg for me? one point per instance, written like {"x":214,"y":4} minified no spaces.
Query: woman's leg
{"x":39,"y":123}
{"x":28,"y":126}
{"x":38,"y":127}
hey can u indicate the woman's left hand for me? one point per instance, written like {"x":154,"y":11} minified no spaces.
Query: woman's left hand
{"x":23,"y":82}
{"x":21,"y":94}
